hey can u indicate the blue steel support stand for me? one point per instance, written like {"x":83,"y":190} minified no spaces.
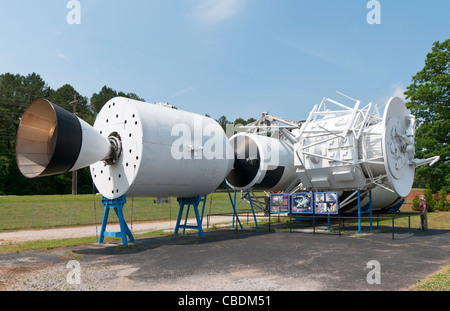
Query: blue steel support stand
{"x":233,"y":204}
{"x":253,"y":210}
{"x":117,"y":205}
{"x":329,"y":222}
{"x":370,"y":208}
{"x":195,"y":203}
{"x":359,"y":209}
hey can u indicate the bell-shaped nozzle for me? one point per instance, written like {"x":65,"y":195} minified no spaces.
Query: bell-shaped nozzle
{"x":52,"y":141}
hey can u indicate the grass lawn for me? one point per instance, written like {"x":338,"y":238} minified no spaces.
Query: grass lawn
{"x":439,"y":281}
{"x":436,"y":220}
{"x":40,"y":212}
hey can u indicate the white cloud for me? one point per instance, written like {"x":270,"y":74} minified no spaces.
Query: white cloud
{"x":315,"y":52}
{"x":397,"y":90}
{"x":216,"y":11}
{"x":183,"y":91}
{"x":62,"y":56}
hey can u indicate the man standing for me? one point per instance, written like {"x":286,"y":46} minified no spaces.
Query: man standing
{"x":423,"y":213}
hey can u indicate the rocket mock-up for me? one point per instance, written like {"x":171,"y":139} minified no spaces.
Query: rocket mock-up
{"x":134,"y":148}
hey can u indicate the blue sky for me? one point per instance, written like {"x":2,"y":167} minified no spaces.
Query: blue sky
{"x":225,"y":57}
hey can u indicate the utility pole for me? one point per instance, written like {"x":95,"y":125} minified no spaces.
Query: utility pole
{"x":74,"y":173}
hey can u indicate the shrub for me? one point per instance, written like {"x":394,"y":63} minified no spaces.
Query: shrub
{"x":442,"y":204}
{"x":429,"y":198}
{"x":415,"y":203}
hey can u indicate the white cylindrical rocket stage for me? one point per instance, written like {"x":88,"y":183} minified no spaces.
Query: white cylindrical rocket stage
{"x":165,"y":152}
{"x":357,"y":148}
{"x":134,"y":148}
{"x":261,"y":163}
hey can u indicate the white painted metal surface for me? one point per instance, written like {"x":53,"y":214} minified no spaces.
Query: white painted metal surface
{"x":275,"y":169}
{"x":165,"y":152}
{"x":381,"y":199}
{"x":357,"y":148}
{"x":94,"y":147}
{"x":398,"y":146}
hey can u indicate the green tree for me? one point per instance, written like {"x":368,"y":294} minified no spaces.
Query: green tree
{"x":442,"y":202}
{"x":98,"y":100}
{"x":429,"y":95}
{"x":429,"y":198}
{"x":16,"y":93}
{"x":240,"y":121}
{"x":65,"y":96}
{"x":223,"y":121}
{"x":251,"y":120}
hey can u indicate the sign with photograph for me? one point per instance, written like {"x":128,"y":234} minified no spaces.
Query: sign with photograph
{"x":326,"y":203}
{"x":279,"y":203}
{"x":302,"y":203}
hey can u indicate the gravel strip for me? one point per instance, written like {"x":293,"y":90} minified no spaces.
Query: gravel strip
{"x":55,"y":278}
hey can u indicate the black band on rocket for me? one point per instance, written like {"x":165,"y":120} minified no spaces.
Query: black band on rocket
{"x":67,"y":144}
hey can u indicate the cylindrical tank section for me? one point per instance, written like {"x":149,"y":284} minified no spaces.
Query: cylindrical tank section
{"x":165,"y":152}
{"x":354,"y":149}
{"x":261,"y":163}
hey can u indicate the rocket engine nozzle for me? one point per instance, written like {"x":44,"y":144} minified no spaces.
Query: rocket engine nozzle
{"x":51,"y":141}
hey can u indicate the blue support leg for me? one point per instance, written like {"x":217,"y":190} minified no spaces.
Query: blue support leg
{"x":124,"y":230}
{"x":253,"y":210}
{"x":370,"y":208}
{"x":180,"y":213}
{"x":233,"y":204}
{"x":104,"y":222}
{"x":199,"y":221}
{"x":359,"y":211}
{"x":195,"y":203}
{"x":329,"y":223}
{"x":117,"y":205}
{"x":186,"y":218}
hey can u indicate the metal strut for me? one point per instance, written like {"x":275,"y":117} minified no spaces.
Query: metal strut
{"x":234,"y":205}
{"x":360,"y":211}
{"x":117,"y":205}
{"x":195,"y":203}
